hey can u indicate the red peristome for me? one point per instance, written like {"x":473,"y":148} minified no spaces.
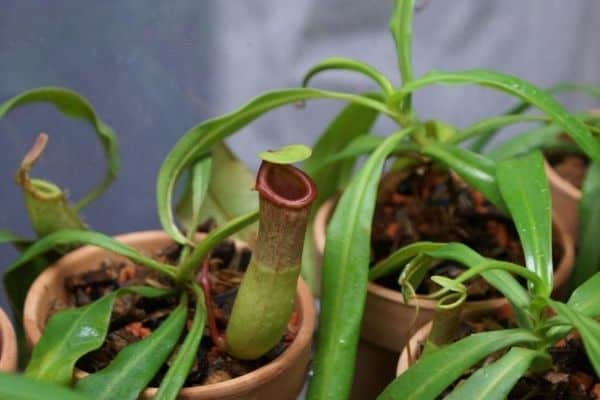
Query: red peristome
{"x":285,"y":185}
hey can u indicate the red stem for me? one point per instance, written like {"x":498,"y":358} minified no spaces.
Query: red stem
{"x":216,"y":336}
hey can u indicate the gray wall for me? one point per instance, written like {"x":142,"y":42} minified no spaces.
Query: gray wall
{"x":154,"y":69}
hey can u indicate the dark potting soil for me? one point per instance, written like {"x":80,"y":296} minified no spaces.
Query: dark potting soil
{"x":134,"y":318}
{"x":571,"y":378}
{"x":432,"y":204}
{"x":570,"y":166}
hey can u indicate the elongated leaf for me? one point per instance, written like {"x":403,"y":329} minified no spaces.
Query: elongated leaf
{"x":229,"y":193}
{"x":200,"y":183}
{"x":400,"y":26}
{"x":19,"y":275}
{"x":521,"y":107}
{"x":340,"y":63}
{"x":519,"y":88}
{"x":212,"y":239}
{"x":588,"y":328}
{"x":396,"y":261}
{"x":476,"y":170}
{"x":180,"y":367}
{"x":203,"y":136}
{"x":9,"y":237}
{"x":73,"y":105}
{"x":503,"y":281}
{"x":585,"y":299}
{"x":347,"y":244}
{"x":289,"y":154}
{"x":524,"y":187}
{"x":72,"y":333}
{"x":20,"y":387}
{"x":494,"y":381}
{"x":359,"y":146}
{"x":426,"y":379}
{"x":526,"y":142}
{"x":587,"y":262}
{"x":355,"y":120}
{"x":488,"y":124}
{"x":134,"y":366}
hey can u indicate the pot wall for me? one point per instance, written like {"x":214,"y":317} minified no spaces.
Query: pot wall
{"x":565,"y":201}
{"x":388,"y":322}
{"x":282,"y":379}
{"x":8,"y":344}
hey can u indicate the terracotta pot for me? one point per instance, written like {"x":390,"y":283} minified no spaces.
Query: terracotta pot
{"x":566,"y":196}
{"x":283,"y":378}
{"x":407,"y":357}
{"x":565,"y":200}
{"x":8,"y":344}
{"x":388,"y":322}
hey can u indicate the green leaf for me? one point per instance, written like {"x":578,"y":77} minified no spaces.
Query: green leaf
{"x":495,"y":381}
{"x":289,"y":154}
{"x":348,"y":238}
{"x":355,"y":120}
{"x":587,"y":262}
{"x":398,"y":259}
{"x":501,"y":280}
{"x":476,"y":170}
{"x":485,"y":125}
{"x":588,"y":328}
{"x":400,"y":26}
{"x":134,"y":366}
{"x":186,"y":354}
{"x":20,"y":387}
{"x":229,"y":193}
{"x":519,"y":88}
{"x":203,"y":136}
{"x":585,"y":299}
{"x":19,"y":275}
{"x":73,"y":105}
{"x":9,"y":237}
{"x":200,"y":183}
{"x":212,"y":239}
{"x":526,"y":142}
{"x":519,"y":108}
{"x":72,"y":333}
{"x":340,"y":63}
{"x":426,"y":379}
{"x":358,"y":146}
{"x":524,"y":187}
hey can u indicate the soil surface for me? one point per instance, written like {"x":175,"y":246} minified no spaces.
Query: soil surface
{"x":570,"y":166}
{"x":134,"y":318}
{"x":432,"y":204}
{"x":572,"y":377}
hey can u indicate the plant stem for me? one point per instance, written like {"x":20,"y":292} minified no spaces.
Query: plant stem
{"x":215,"y":335}
{"x":266,"y":296}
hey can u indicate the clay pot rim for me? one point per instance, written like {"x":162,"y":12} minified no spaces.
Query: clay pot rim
{"x":560,"y":183}
{"x":8,"y":344}
{"x":305,"y":307}
{"x":419,"y":336}
{"x":561,"y":273}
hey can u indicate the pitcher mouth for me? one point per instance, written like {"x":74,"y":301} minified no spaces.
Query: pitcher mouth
{"x":285,"y":185}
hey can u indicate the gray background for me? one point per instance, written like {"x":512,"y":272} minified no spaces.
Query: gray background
{"x":154,"y":69}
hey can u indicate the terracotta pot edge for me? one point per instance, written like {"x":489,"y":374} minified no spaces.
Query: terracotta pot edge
{"x":299,"y":346}
{"x":8,"y":344}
